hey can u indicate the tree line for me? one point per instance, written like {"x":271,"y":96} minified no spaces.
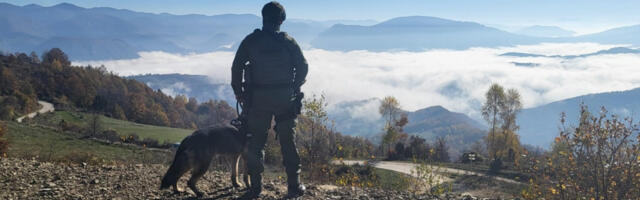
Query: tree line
{"x":26,"y":78}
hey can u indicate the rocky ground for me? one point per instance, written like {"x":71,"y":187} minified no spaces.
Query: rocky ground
{"x":31,"y":179}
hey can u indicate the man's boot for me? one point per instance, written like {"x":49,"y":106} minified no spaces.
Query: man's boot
{"x":255,"y":189}
{"x":295,"y":188}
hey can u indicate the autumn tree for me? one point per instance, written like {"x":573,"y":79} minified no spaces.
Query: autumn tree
{"x":390,"y":110}
{"x":34,"y":57}
{"x":441,"y":150}
{"x":491,"y":113}
{"x":56,"y":54}
{"x":418,"y":148}
{"x":192,"y":105}
{"x":500,"y":111}
{"x":597,"y":159}
{"x":510,"y":108}
{"x":94,"y":125}
{"x":395,"y":119}
{"x":315,"y":134}
{"x":156,"y":116}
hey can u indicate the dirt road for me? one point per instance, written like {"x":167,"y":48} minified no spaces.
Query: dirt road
{"x":46,"y":107}
{"x":406,"y":168}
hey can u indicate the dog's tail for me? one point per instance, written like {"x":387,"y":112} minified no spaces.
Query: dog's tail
{"x":178,"y":167}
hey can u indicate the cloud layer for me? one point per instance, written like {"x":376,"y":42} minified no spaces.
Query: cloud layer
{"x":456,"y":80}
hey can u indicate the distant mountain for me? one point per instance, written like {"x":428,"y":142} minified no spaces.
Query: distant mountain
{"x":460,"y":130}
{"x":431,"y":120}
{"x":361,"y":118}
{"x":540,"y":125}
{"x":108,"y":33}
{"x":416,"y":33}
{"x":197,"y":86}
{"x":329,"y":23}
{"x":545,"y":31}
{"x":622,"y":35}
{"x":616,"y":50}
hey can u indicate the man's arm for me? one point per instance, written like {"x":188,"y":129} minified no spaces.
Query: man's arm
{"x":237,"y":67}
{"x":300,"y":64}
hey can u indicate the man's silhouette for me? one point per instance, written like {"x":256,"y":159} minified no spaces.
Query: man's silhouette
{"x":277,"y":69}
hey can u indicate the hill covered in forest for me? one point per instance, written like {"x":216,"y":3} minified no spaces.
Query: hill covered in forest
{"x":27,"y":78}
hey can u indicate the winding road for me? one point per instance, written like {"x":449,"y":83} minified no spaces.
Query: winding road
{"x":45,"y":108}
{"x":406,"y":168}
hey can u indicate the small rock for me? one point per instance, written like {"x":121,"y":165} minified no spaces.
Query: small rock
{"x":95,"y":181}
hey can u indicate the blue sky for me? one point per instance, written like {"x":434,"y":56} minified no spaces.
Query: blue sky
{"x":583,"y":16}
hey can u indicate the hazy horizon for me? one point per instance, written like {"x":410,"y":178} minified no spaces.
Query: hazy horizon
{"x":582,"y":17}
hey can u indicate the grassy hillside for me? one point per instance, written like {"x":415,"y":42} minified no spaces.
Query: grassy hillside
{"x":123,"y":128}
{"x":48,"y":144}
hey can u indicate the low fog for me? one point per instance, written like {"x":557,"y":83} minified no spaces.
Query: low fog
{"x":454,"y":79}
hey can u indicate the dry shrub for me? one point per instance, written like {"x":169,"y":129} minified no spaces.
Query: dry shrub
{"x":598,"y":159}
{"x":111,"y":136}
{"x":357,"y":176}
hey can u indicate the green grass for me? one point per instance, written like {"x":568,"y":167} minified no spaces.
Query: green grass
{"x":27,"y":141}
{"x":124,"y":128}
{"x":391,"y":180}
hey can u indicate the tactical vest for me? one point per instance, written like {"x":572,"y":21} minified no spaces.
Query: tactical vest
{"x":270,"y":58}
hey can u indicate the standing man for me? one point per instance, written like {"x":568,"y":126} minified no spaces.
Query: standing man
{"x":273,"y":68}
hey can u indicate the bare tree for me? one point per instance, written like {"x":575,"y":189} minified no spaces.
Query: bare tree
{"x":95,"y":125}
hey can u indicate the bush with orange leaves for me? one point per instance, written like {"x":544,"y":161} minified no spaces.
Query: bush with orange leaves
{"x":598,"y":159}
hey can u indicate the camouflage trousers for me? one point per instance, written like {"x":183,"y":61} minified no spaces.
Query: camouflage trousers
{"x":266,"y":105}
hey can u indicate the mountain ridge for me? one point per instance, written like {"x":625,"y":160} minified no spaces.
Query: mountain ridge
{"x":545,"y":31}
{"x":540,"y":125}
{"x":26,"y":28}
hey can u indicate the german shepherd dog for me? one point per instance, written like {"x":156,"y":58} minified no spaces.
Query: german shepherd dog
{"x":197,"y":150}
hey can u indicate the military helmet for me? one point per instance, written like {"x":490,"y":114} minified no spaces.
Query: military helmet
{"x":273,"y":12}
